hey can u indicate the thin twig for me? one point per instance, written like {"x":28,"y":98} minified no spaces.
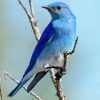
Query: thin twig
{"x":73,"y":47}
{"x":24,"y":8}
{"x":60,"y":93}
{"x":2,"y":98}
{"x":31,"y":18}
{"x":31,"y":8}
{"x":25,"y":88}
{"x":65,"y":55}
{"x":58,"y":87}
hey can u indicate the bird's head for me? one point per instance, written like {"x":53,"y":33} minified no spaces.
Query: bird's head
{"x":59,"y":10}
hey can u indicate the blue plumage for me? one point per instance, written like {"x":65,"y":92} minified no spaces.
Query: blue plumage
{"x":59,"y":36}
{"x":48,"y":32}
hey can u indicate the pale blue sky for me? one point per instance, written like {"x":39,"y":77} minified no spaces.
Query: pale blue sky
{"x":82,"y":81}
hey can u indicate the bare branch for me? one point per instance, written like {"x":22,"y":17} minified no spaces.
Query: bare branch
{"x":58,"y":87}
{"x":2,"y":98}
{"x":65,"y":54}
{"x":31,"y":8}
{"x":25,"y":88}
{"x":74,"y":47}
{"x":31,"y":18}
{"x":60,"y":93}
{"x":24,"y":8}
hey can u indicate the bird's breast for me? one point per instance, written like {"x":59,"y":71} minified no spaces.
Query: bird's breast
{"x":61,"y":44}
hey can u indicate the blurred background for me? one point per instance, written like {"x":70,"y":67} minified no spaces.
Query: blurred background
{"x":82,"y":81}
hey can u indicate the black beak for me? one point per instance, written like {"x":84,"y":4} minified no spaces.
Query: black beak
{"x":46,"y":7}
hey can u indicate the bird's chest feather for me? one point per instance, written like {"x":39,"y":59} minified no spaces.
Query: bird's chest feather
{"x":61,"y":40}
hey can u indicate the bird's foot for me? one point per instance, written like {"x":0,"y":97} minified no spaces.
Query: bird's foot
{"x":60,"y":73}
{"x":55,"y":67}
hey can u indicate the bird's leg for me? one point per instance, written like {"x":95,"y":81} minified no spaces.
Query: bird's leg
{"x":55,"y":67}
{"x":73,"y":47}
{"x":62,"y":70}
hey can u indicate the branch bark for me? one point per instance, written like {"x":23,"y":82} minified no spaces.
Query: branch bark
{"x":1,"y":96}
{"x":31,"y":18}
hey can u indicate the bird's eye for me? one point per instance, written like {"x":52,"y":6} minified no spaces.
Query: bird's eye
{"x":58,"y":7}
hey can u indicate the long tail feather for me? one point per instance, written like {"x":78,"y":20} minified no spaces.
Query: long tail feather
{"x":17,"y":88}
{"x":22,"y":82}
{"x":36,"y":79}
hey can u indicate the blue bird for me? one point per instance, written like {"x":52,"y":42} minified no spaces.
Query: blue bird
{"x":58,"y":36}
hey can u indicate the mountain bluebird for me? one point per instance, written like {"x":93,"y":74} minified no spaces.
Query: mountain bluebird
{"x":58,"y":36}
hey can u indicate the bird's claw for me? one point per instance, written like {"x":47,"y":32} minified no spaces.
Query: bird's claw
{"x":60,"y":73}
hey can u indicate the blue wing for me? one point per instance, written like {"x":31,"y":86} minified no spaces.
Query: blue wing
{"x":48,"y":32}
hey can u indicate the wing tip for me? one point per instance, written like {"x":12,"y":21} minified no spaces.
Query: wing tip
{"x":11,"y":94}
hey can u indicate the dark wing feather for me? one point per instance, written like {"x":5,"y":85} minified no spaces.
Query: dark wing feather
{"x":48,"y":32}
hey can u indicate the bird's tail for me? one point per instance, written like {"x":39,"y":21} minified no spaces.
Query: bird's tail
{"x":22,"y":82}
{"x":36,"y":79}
{"x":12,"y":93}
